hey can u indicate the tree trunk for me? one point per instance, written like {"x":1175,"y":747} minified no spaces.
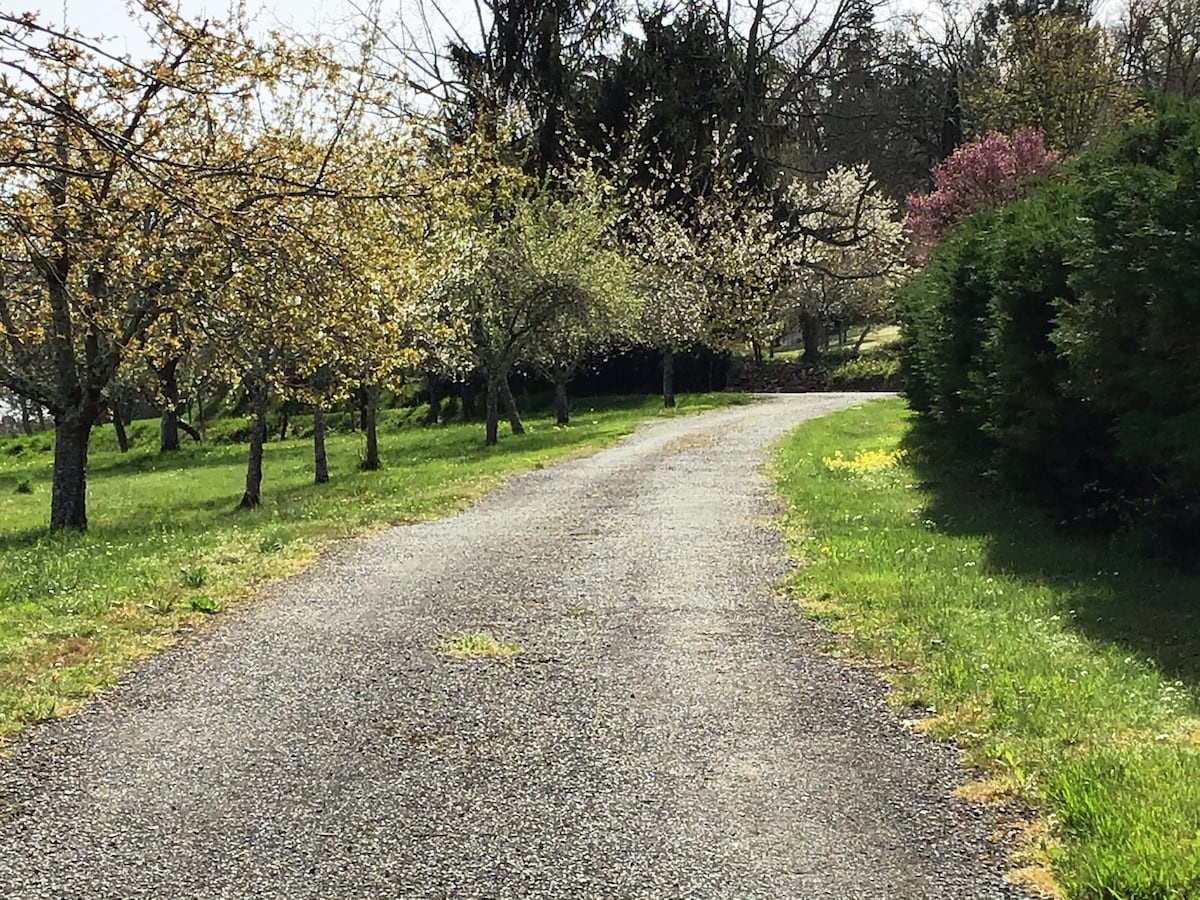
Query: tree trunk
{"x":168,"y":432}
{"x":283,"y":426}
{"x":952,"y":130}
{"x":756,"y":349}
{"x":861,"y":338}
{"x":510,"y":407}
{"x":169,"y":427}
{"x":189,"y":430}
{"x":320,"y":464}
{"x":26,"y":423}
{"x":119,"y":427}
{"x":493,"y":412}
{"x":68,"y":498}
{"x":41,"y":413}
{"x":668,"y":384}
{"x":435,"y":400}
{"x":467,"y":399}
{"x":258,"y":437}
{"x":562,"y":408}
{"x":200,"y":413}
{"x":810,"y":328}
{"x":370,"y":411}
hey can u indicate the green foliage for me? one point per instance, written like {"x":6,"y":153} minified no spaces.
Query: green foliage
{"x":202,"y":604}
{"x":193,"y":577}
{"x":1067,"y":667}
{"x":162,"y":606}
{"x":874,"y":371}
{"x":940,"y":314}
{"x":1055,"y":339}
{"x":1052,"y":72}
{"x":1131,"y":338}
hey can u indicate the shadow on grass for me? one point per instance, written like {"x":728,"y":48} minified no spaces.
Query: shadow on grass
{"x":213,"y":514}
{"x":138,"y":463}
{"x":20,"y":540}
{"x":1111,"y":594}
{"x":188,"y":515}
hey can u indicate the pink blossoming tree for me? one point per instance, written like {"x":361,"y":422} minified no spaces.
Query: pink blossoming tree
{"x":992,"y":171}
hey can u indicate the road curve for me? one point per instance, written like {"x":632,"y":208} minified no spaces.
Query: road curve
{"x":670,"y":729}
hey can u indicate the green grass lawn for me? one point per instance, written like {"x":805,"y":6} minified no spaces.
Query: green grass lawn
{"x":1068,"y":668}
{"x":165,"y":547}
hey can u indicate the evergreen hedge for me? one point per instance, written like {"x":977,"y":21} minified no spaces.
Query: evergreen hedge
{"x":1054,"y":341}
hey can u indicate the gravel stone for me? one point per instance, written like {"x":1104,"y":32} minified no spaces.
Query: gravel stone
{"x":670,"y":728}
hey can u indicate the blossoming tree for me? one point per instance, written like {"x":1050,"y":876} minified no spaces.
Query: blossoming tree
{"x":987,"y":173}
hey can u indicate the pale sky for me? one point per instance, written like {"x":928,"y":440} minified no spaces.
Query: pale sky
{"x":110,"y":18}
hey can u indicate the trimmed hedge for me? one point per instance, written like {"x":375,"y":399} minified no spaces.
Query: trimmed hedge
{"x":1054,"y":341}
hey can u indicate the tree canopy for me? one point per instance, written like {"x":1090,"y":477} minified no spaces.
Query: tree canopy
{"x":302,"y":219}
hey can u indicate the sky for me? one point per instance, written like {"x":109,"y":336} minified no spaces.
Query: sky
{"x":110,"y":18}
{"x":327,"y":17}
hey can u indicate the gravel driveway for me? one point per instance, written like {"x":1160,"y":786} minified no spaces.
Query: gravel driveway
{"x":670,"y":729}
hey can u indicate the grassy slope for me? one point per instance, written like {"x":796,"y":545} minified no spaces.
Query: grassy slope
{"x":882,"y":337}
{"x":1068,"y":668}
{"x":165,"y":544}
{"x":875,"y":367}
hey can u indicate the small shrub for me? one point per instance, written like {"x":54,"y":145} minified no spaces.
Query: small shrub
{"x":194,"y":577}
{"x":869,"y":372}
{"x":200,"y":603}
{"x":161,"y":605}
{"x":24,"y":487}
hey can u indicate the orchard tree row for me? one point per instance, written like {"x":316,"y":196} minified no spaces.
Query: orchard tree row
{"x":270,"y":217}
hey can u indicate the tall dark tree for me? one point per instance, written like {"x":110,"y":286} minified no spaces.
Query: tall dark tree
{"x":528,"y":54}
{"x":657,"y":105}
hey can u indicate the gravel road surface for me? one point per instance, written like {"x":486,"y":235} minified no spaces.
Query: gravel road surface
{"x":670,"y":729}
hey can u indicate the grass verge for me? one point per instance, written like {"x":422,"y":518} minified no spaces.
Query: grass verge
{"x":1066,"y":667}
{"x":166,"y":549}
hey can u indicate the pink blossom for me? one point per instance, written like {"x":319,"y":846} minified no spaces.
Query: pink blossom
{"x":987,"y":173}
